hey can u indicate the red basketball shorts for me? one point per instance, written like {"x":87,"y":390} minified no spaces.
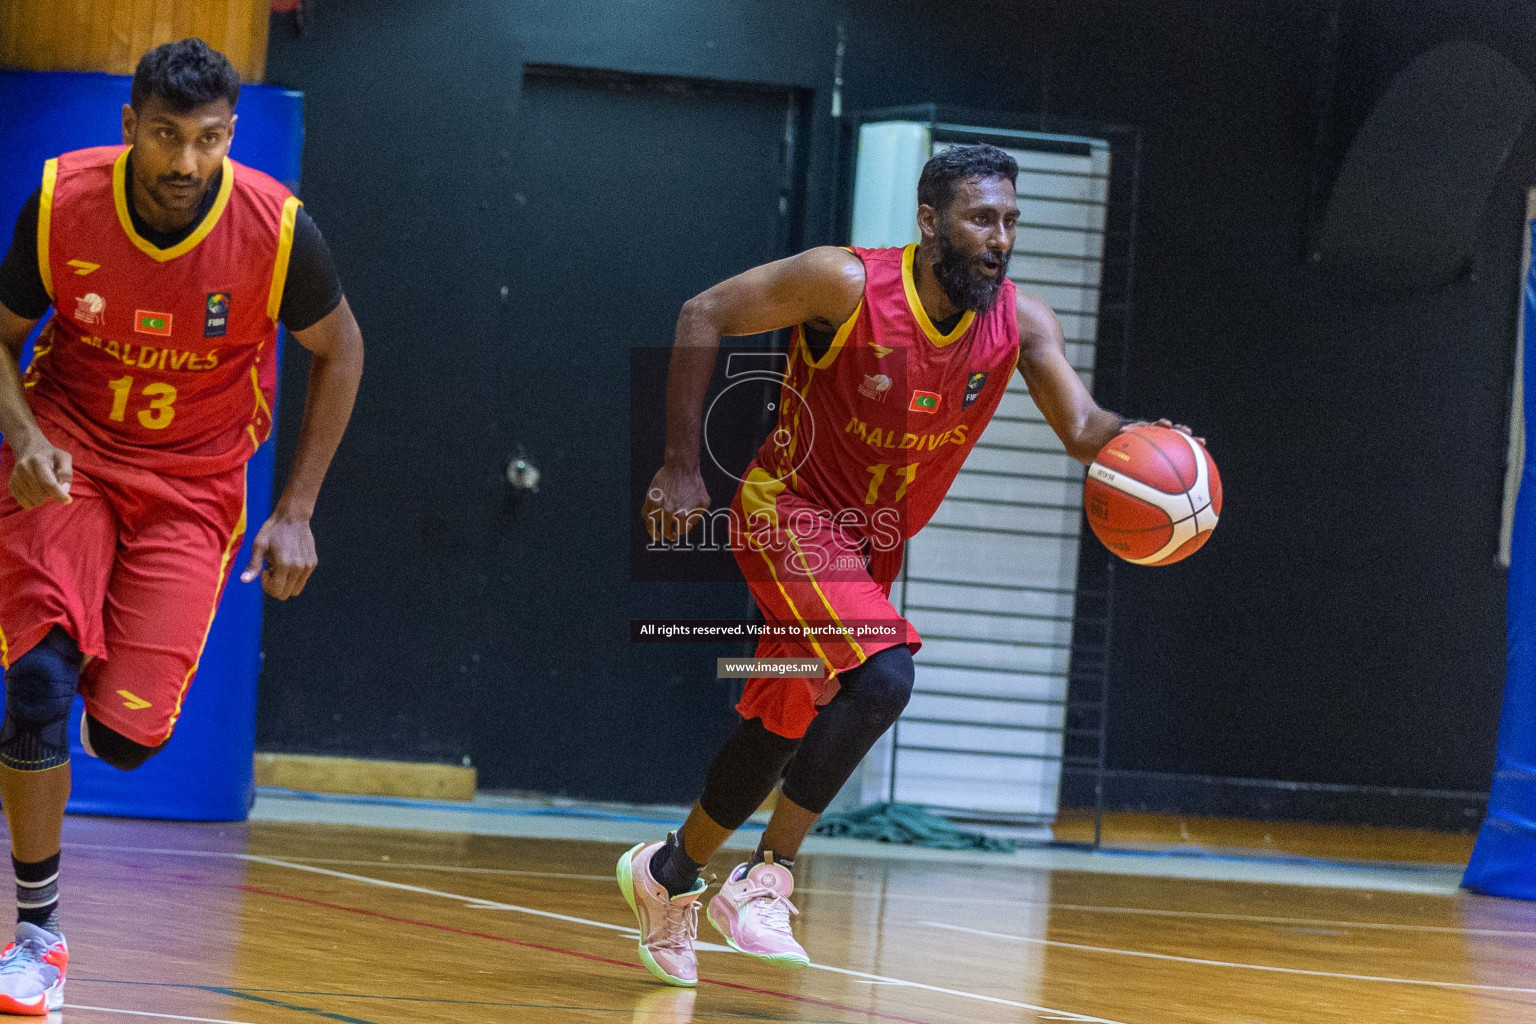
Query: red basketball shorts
{"x":132,"y":568}
{"x":823,"y":590}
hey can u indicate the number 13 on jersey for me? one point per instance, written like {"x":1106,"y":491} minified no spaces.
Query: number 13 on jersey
{"x":161,"y":398}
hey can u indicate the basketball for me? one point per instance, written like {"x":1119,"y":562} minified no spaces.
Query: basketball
{"x":1153,"y":495}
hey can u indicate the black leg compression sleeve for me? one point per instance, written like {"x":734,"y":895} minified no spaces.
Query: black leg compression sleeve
{"x":39,"y":689}
{"x":744,"y":773}
{"x":871,"y":699}
{"x":113,"y":747}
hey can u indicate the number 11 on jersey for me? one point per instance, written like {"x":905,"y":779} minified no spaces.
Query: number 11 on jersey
{"x":877,"y":478}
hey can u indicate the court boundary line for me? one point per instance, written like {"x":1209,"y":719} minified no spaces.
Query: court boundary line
{"x":1145,"y":955}
{"x":1404,"y":872}
{"x":146,"y":1013}
{"x":1498,"y":933}
{"x":472,"y":901}
{"x":959,"y":993}
{"x":486,"y":1003}
{"x":1185,"y":850}
{"x":599,"y":958}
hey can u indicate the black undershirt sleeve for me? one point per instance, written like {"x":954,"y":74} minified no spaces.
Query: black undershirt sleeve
{"x":817,"y":340}
{"x":21,"y":281}
{"x":312,"y":289}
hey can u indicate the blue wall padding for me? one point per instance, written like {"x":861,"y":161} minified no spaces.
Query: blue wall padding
{"x":205,"y":774}
{"x":1504,"y":860}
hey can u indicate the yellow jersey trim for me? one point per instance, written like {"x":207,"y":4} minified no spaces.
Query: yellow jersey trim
{"x":261,"y":399}
{"x":760,"y":500}
{"x":260,"y":407}
{"x":45,"y":224}
{"x":760,"y":497}
{"x":284,"y":251}
{"x":838,"y":341}
{"x":909,"y":285}
{"x":857,"y":650}
{"x":794,"y":425}
{"x":186,"y":245}
{"x":40,"y":350}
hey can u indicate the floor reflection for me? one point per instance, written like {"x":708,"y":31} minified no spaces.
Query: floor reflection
{"x":665,"y":1006}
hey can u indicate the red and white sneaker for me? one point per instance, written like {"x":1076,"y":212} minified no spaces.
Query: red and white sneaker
{"x":669,"y":924}
{"x":752,"y":910}
{"x":32,"y":972}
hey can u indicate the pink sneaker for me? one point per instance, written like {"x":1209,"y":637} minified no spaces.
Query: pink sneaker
{"x":752,"y":911}
{"x":668,"y":924}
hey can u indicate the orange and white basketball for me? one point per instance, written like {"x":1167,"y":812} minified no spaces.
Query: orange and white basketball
{"x":1153,"y":495}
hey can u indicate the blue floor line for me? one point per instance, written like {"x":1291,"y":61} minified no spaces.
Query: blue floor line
{"x":1191,"y":853}
{"x":1300,"y":861}
{"x":312,"y":1011}
{"x":466,"y":808}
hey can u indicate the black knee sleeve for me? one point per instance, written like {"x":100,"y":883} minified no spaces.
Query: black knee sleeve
{"x":870,"y":700}
{"x":744,"y":773}
{"x":881,"y":687}
{"x":113,"y":747}
{"x":39,"y":689}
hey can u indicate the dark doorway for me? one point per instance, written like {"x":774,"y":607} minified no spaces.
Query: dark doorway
{"x":504,"y":258}
{"x":383,"y":655}
{"x":633,"y":194}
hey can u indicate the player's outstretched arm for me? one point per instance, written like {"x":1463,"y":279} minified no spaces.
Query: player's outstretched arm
{"x":822,"y":285}
{"x":43,"y":473}
{"x":336,"y":369}
{"x":1058,"y":391}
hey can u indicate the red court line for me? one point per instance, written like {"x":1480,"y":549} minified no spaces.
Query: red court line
{"x":808,"y":1000}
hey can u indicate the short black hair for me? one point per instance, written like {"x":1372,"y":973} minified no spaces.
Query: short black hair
{"x":945,"y":171}
{"x":186,"y":75}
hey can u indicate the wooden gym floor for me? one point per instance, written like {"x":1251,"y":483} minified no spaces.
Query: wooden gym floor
{"x":283,"y":923}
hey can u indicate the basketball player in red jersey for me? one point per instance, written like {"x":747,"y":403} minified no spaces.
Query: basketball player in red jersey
{"x":900,"y":358}
{"x":169,"y":267}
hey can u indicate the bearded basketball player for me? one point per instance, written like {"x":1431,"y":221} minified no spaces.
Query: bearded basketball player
{"x":169,"y":268}
{"x":899,"y":360}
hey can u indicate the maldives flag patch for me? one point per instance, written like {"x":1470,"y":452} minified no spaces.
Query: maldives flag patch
{"x":924,"y":401}
{"x":158,"y":324}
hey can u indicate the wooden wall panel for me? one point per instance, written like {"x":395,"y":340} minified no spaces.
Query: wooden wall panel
{"x":111,"y":35}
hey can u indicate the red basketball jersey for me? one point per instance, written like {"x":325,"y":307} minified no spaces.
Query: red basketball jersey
{"x":159,"y":358}
{"x":885,"y":419}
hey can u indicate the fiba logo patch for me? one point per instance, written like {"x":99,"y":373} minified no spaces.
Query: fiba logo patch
{"x":216,"y":319}
{"x":973,"y":386}
{"x":876,"y":386}
{"x":91,"y":309}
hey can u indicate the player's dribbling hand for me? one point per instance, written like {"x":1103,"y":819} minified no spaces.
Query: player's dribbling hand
{"x":42,"y":474}
{"x":1181,"y":428}
{"x":288,"y":547}
{"x":674,"y":502}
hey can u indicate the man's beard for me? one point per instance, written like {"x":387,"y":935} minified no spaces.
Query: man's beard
{"x":963,"y":278}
